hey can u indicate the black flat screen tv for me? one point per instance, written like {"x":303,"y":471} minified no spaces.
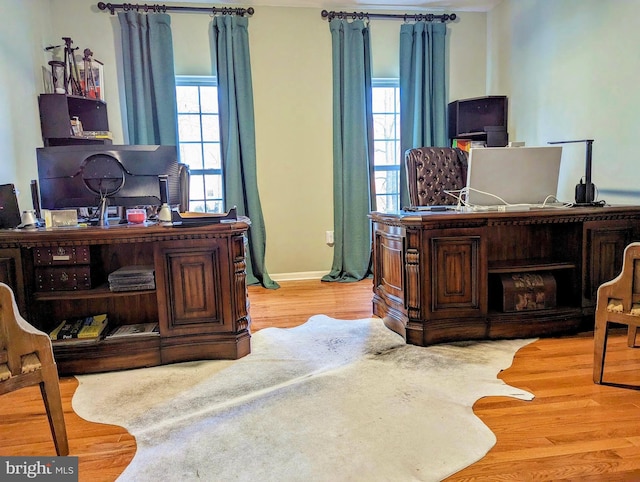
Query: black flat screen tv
{"x":78,"y":176}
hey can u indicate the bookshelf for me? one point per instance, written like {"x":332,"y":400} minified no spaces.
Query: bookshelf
{"x":57,"y":112}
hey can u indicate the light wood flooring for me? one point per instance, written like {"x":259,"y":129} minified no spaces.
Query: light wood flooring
{"x":572,"y":430}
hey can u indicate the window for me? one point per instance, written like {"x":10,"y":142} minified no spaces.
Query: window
{"x":386,"y":142}
{"x":199,"y":141}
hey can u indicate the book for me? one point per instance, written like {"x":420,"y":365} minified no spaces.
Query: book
{"x":137,"y":329}
{"x":98,"y":134}
{"x":131,"y":278}
{"x":85,"y":327}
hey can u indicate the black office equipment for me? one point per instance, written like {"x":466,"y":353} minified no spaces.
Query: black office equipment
{"x":9,"y":211}
{"x":479,"y":119}
{"x":80,"y":176}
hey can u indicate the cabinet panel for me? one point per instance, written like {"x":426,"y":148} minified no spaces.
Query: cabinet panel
{"x":11,"y":275}
{"x":605,"y":246}
{"x":395,"y":284}
{"x":197,"y":276}
{"x":455,"y":272}
{"x":192,"y":277}
{"x":391,"y":264}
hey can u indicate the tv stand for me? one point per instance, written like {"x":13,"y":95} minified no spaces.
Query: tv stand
{"x":439,"y":276}
{"x":199,"y":301}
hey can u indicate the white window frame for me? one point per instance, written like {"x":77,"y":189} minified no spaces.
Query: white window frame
{"x":390,"y":200}
{"x":198,"y":175}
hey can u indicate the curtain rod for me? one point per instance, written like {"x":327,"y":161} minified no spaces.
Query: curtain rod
{"x":429,"y":17}
{"x":112,"y":7}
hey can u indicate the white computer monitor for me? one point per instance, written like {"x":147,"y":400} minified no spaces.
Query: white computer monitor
{"x":512,"y":175}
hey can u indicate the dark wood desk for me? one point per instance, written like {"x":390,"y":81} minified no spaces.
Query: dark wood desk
{"x":199,"y":300}
{"x":438,"y":276}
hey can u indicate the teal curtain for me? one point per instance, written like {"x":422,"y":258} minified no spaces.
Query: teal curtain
{"x":230,"y":50}
{"x":423,"y":97}
{"x":352,"y":150}
{"x":149,"y":78}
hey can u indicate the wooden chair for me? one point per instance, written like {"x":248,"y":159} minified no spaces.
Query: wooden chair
{"x":431,"y":171}
{"x":26,"y":359}
{"x":618,"y":302}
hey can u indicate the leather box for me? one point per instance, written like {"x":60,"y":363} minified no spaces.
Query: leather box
{"x":61,"y":255}
{"x":528,"y":291}
{"x":67,"y":278}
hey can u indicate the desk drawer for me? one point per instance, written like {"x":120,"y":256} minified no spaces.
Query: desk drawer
{"x":67,"y":278}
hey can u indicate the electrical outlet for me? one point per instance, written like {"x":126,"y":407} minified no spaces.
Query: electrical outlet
{"x":329,"y":237}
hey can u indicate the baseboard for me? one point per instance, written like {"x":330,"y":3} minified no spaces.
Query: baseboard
{"x":298,"y":276}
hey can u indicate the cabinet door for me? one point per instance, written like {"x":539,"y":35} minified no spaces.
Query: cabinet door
{"x":455,"y":273}
{"x":197,"y":283}
{"x":604,"y":250}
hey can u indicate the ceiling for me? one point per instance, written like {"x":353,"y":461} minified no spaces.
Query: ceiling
{"x":359,"y":5}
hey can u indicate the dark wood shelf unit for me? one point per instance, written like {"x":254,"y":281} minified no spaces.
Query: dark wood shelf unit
{"x":99,"y":292}
{"x":56,"y":112}
{"x":200,"y":299}
{"x":437,"y":276}
{"x":479,"y":119}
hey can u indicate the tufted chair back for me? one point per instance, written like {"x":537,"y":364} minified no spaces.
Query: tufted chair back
{"x":433,"y":170}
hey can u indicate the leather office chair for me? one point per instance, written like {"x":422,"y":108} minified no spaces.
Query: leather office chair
{"x":431,"y":171}
{"x":26,"y":359}
{"x":618,"y":302}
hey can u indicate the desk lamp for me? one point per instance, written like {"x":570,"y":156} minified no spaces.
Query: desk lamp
{"x":585,"y":191}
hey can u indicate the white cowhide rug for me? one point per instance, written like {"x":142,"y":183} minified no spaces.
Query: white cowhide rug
{"x":331,"y":400}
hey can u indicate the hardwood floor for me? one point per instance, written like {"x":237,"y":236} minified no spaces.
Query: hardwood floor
{"x":572,"y":430}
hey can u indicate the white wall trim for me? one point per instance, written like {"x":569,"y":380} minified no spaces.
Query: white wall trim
{"x":298,"y":276}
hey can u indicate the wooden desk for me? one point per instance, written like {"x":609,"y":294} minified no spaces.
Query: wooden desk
{"x":199,"y":300}
{"x":437,"y":276}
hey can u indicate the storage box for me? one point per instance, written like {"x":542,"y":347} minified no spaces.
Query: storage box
{"x":61,"y":255}
{"x":60,"y":217}
{"x":67,"y":278}
{"x":528,"y":291}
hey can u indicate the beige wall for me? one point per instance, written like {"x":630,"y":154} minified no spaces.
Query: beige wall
{"x":570,"y":69}
{"x":291,"y":68}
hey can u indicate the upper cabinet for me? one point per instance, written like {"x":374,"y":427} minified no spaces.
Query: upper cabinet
{"x":57,"y":111}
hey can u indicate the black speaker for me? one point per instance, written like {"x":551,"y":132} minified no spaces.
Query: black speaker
{"x":164,"y":188}
{"x":584,"y":196}
{"x":35,"y":198}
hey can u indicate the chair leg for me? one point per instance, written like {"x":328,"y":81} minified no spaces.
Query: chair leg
{"x":50,"y":390}
{"x":631,"y":336}
{"x":600,"y":347}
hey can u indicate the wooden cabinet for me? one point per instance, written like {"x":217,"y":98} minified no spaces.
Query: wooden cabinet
{"x":440,"y":276}
{"x":56,"y":112}
{"x":199,"y":300}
